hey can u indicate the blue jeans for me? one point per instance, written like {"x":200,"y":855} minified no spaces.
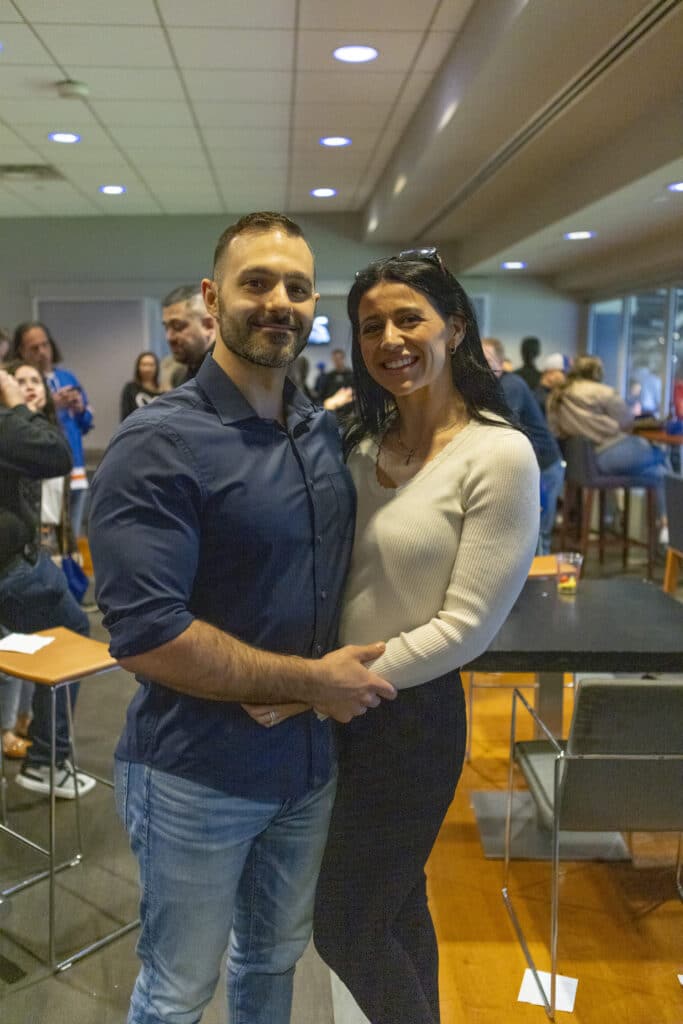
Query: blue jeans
{"x":36,"y":597}
{"x":635,"y":457}
{"x":552,"y":480}
{"x":219,"y":871}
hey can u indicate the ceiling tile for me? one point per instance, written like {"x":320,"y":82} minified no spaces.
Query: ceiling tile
{"x":130,"y":83}
{"x":152,"y":135}
{"x":341,"y":118}
{"x":145,"y":112}
{"x":12,"y":205}
{"x":397,"y":51}
{"x":128,"y":206}
{"x":54,"y":195}
{"x":19,"y":155}
{"x":240,"y":115}
{"x":189,"y":203}
{"x":221,"y":48}
{"x":20,"y":46}
{"x":118,"y":47}
{"x":239,"y":86}
{"x":103,"y":156}
{"x":46,"y":111}
{"x":317,"y":86}
{"x":18,"y":82}
{"x":271,"y":14}
{"x":85,"y":12}
{"x":436,"y":47}
{"x":155,"y":160}
{"x":247,"y":197}
{"x":359,"y":16}
{"x":451,"y":15}
{"x":247,"y":140}
{"x":229,"y":161}
{"x":8,"y":12}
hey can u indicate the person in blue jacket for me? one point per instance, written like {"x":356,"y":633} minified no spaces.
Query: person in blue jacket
{"x":34,"y":344}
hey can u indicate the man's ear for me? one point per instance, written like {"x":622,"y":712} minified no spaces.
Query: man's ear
{"x":209,"y":293}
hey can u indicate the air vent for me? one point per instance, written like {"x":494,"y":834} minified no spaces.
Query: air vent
{"x":29,"y":172}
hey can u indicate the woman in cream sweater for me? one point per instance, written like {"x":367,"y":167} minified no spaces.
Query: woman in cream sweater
{"x":447,"y":523}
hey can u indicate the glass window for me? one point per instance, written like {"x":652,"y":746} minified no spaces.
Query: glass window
{"x":605,"y":339}
{"x":646,"y":347}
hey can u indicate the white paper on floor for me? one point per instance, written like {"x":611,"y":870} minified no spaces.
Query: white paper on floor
{"x":565,"y":990}
{"x":680,"y":978}
{"x":24,"y":643}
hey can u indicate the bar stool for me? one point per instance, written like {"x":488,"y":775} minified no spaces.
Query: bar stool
{"x":673,"y":490}
{"x":583,"y":477}
{"x":69,"y":657}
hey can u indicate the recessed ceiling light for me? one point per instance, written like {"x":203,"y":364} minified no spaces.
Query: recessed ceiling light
{"x":373,"y":223}
{"x":323,"y":193}
{"x":400,"y":184}
{"x":355,"y":54}
{"x":513,"y":265}
{"x":675,"y":186}
{"x":335,"y":140}
{"x":113,"y":190}
{"x":578,"y":236}
{"x":66,"y":137}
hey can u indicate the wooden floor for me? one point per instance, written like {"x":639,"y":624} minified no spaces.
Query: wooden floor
{"x":621,"y":924}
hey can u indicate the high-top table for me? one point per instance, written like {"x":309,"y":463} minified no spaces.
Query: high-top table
{"x":608,"y":625}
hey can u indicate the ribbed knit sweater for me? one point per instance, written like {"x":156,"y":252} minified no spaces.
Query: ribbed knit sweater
{"x":438,"y":563}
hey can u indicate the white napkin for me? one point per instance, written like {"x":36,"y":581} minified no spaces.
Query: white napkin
{"x":24,"y":643}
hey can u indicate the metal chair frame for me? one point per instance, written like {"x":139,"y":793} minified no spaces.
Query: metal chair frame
{"x":561,"y":762}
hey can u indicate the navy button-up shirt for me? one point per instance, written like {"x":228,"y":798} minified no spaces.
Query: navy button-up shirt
{"x":201,"y":509}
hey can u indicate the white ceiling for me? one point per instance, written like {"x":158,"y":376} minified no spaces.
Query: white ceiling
{"x":509,"y":121}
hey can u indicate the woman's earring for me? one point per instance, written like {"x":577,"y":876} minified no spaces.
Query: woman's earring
{"x":452,"y":349}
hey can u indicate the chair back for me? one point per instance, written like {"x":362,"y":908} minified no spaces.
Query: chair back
{"x":582,"y":469}
{"x":674,"y":510}
{"x":602,"y":787}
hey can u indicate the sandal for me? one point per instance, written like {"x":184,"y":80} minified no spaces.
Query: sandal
{"x":14,"y":746}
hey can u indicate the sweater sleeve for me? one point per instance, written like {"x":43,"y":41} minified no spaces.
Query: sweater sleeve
{"x":497,"y":543}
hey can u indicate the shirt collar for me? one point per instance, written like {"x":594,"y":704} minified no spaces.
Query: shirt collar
{"x":232,"y":406}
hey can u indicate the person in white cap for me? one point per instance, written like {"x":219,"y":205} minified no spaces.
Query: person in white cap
{"x":552,"y":375}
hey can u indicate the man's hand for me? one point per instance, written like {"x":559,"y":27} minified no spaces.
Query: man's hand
{"x":343,"y":688}
{"x":10,"y":392}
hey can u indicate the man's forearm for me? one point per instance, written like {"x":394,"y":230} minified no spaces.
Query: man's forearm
{"x":208,"y":663}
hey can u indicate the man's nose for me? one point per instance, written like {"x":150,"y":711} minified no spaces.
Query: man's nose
{"x":278,"y":297}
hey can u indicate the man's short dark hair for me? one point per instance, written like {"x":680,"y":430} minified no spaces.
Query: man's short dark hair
{"x":263,"y":220}
{"x":183,"y":293}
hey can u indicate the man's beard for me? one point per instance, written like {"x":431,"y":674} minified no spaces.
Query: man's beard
{"x":255,"y":348}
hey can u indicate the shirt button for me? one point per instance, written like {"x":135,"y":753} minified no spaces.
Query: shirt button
{"x":318,"y":649}
{"x":319,"y":538}
{"x":323,"y":594}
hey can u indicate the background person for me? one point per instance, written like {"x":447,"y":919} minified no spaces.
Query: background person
{"x":144,"y":387}
{"x":33,"y":591}
{"x":548,"y":455}
{"x":34,"y":344}
{"x":585,"y":407}
{"x":530,"y":349}
{"x":232,"y":496}
{"x":553,"y":374}
{"x":446,"y":527}
{"x":190,"y":330}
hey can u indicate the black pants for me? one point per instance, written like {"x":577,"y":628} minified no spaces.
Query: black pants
{"x":398,"y":768}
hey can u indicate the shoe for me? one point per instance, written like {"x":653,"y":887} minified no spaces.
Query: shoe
{"x":663,"y":538}
{"x":36,"y":777}
{"x":14,"y":746}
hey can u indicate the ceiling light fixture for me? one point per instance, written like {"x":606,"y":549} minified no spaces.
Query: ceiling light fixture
{"x":400,"y":184}
{"x":335,"y":140}
{"x":578,"y":236}
{"x":112,"y":190}
{"x":513,"y":265}
{"x":675,"y":186}
{"x":355,"y":54}
{"x":66,"y":137}
{"x":447,"y":116}
{"x":373,"y":223}
{"x":323,"y":193}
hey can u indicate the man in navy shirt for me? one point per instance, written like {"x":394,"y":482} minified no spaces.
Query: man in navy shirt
{"x":221,"y":527}
{"x":526,"y":409}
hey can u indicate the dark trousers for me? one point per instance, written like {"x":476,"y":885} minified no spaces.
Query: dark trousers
{"x":398,"y":768}
{"x":34,"y":597}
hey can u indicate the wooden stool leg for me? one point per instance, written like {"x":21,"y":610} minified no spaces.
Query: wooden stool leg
{"x":626,"y":531}
{"x":671,"y":570}
{"x":651,"y":531}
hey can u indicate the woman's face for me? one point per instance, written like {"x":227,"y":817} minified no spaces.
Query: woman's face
{"x":32,"y":387}
{"x":147,"y":368}
{"x":404,"y":340}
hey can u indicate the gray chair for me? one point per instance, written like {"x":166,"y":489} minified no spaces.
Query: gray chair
{"x":583,"y":477}
{"x":621,"y":768}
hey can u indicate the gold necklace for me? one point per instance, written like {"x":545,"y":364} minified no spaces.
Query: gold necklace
{"x":411,"y":452}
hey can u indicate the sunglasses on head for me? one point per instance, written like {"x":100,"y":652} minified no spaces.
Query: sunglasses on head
{"x":428,"y":253}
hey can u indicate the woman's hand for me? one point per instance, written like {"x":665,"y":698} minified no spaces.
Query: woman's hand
{"x":269,"y":715}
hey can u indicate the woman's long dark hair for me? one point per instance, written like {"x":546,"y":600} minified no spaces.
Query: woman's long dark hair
{"x":375,"y":407}
{"x":49,"y":412}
